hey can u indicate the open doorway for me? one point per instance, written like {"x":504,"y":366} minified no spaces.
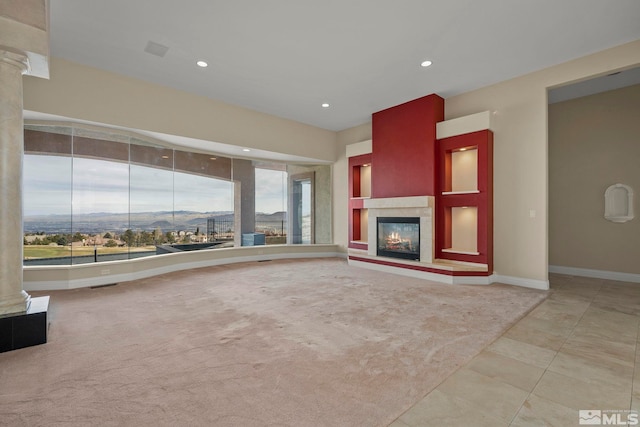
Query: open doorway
{"x":594,"y":143}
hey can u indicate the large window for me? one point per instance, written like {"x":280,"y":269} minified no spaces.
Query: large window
{"x":201,"y":199}
{"x":271,"y":202}
{"x":100,"y":206}
{"x":95,"y":195}
{"x":47,"y":207}
{"x":92,"y":196}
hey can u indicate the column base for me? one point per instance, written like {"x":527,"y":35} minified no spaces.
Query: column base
{"x":25,"y":329}
{"x":18,"y":304}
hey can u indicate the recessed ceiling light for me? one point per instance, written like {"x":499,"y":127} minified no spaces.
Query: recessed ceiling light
{"x":325,"y":105}
{"x":165,"y":157}
{"x":202,"y":64}
{"x":213,"y":158}
{"x":425,"y":63}
{"x":246,"y":150}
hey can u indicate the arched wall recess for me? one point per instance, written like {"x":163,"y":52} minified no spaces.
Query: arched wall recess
{"x":618,"y":203}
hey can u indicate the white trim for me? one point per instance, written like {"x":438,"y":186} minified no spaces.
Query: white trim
{"x":424,"y":275}
{"x":449,"y":193}
{"x":471,"y":280}
{"x":359,"y":148}
{"x":462,"y":125}
{"x":598,"y":274}
{"x":169,"y":268}
{"x":520,"y":281}
{"x":455,"y":280}
{"x":457,"y":251}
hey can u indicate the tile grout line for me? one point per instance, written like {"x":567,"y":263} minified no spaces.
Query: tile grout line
{"x":555,"y":355}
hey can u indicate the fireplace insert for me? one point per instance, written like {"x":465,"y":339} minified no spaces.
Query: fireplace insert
{"x":399,"y":237}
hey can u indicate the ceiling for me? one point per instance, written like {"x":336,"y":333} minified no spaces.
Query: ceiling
{"x":287,"y":57}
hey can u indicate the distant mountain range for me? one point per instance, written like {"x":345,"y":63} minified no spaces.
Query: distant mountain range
{"x":165,"y":220}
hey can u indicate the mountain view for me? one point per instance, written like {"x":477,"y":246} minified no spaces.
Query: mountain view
{"x":93,"y":223}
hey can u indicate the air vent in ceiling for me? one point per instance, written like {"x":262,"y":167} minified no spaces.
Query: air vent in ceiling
{"x":156,"y":49}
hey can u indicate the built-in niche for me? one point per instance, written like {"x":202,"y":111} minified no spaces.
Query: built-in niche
{"x":464,"y":229}
{"x":359,"y":190}
{"x":618,"y":203}
{"x":464,"y":170}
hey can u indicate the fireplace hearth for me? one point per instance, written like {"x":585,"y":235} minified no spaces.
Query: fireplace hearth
{"x":399,"y":237}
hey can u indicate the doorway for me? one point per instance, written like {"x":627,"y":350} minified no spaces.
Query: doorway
{"x":592,"y":136}
{"x":301,"y":209}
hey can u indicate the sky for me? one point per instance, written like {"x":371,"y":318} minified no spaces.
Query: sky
{"x":103,"y":186}
{"x":271,"y":191}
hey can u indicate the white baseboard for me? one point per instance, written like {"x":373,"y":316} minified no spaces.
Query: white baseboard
{"x":598,"y":274}
{"x":455,"y":280}
{"x":143,"y":273}
{"x":521,"y":281}
{"x":424,"y":275}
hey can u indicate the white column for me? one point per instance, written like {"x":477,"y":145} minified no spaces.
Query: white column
{"x":13,"y":299}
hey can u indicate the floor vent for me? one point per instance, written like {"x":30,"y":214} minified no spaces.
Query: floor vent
{"x":102,"y":286}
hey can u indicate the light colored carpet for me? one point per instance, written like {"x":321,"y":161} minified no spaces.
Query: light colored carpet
{"x":286,"y":343}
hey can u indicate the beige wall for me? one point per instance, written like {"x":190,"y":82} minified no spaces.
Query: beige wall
{"x":85,"y":93}
{"x":340,"y":181}
{"x":594,"y":142}
{"x":520,"y":156}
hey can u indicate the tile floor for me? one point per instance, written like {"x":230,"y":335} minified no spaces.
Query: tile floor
{"x":578,"y":350}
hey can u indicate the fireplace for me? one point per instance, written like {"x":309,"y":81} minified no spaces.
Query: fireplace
{"x":398,"y":237}
{"x":405,"y":212}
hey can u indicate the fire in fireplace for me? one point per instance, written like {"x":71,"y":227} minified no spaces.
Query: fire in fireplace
{"x":399,"y":237}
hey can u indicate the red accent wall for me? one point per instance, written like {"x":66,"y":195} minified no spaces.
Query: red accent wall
{"x":483,"y":201}
{"x":404,"y":148}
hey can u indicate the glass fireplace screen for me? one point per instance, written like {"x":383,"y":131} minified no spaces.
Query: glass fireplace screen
{"x":399,"y":237}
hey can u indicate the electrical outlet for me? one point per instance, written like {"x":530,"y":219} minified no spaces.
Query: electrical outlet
{"x":105,"y":272}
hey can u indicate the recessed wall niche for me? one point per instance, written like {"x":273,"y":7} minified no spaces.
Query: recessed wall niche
{"x":365,"y":180}
{"x":464,"y":170}
{"x":464,"y":206}
{"x":359,"y":190}
{"x":464,"y":229}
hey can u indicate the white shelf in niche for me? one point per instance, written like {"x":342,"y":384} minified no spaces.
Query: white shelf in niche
{"x":448,"y":193}
{"x":360,"y":198}
{"x":456,"y":251}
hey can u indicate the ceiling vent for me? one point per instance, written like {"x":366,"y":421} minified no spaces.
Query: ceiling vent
{"x":156,"y":49}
